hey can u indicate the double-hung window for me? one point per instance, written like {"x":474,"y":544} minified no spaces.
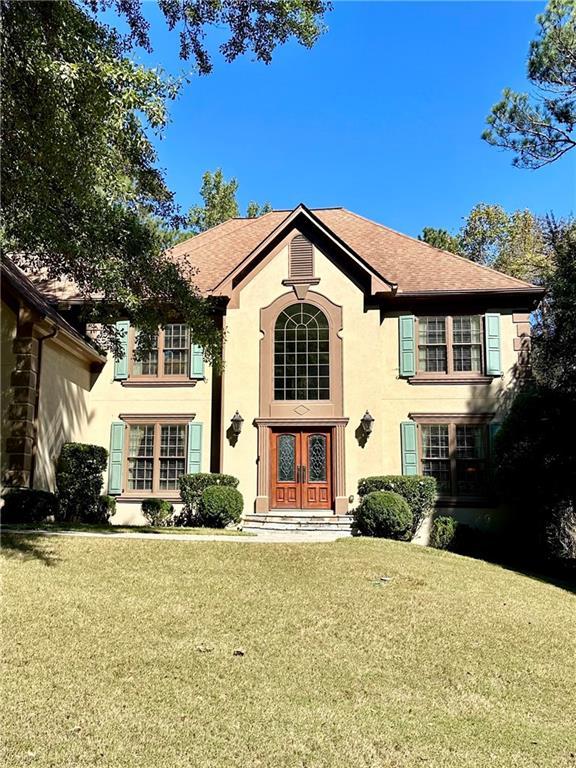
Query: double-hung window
{"x":455,"y":454}
{"x":169,"y":358}
{"x":156,"y":456}
{"x":450,"y":345}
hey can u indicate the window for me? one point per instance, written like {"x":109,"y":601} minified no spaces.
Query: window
{"x":450,"y":345}
{"x":455,"y":454}
{"x":301,"y":354}
{"x":170,"y":356}
{"x":156,"y":457}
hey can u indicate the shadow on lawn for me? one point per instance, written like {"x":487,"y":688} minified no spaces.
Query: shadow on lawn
{"x":25,"y":546}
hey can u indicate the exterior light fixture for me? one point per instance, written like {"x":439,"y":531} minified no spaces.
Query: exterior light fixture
{"x":367,"y":422}
{"x":237,"y":422}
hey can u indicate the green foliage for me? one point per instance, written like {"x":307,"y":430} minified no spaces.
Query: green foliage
{"x":79,"y":481}
{"x":27,"y":505}
{"x":254,"y":210}
{"x":158,"y":512}
{"x":539,"y":129}
{"x":191,"y":489}
{"x":418,"y":490}
{"x":443,"y":532}
{"x":384,"y":514}
{"x":440,"y":238}
{"x":106,"y":509}
{"x":219,"y":506}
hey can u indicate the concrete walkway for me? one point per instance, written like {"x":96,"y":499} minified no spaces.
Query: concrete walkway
{"x":261,"y":537}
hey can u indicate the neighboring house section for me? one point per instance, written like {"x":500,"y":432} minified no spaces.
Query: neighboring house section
{"x":48,"y":369}
{"x":350,"y":350}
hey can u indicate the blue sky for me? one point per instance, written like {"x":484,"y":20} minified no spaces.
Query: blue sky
{"x":383,"y":116}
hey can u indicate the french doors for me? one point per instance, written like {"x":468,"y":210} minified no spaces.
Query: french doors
{"x":301,"y":469}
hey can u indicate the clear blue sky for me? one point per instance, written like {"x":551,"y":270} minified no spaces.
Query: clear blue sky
{"x":383,"y":116}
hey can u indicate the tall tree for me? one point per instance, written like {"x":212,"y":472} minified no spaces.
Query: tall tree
{"x":440,"y":238}
{"x":81,"y":192}
{"x":540,"y":129}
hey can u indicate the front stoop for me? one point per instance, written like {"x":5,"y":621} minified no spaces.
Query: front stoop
{"x":299,"y":520}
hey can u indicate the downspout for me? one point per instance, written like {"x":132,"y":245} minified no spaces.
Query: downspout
{"x":53,"y":333}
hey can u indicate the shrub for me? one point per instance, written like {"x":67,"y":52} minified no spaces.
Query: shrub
{"x":106,"y":508}
{"x":191,"y":489}
{"x":418,"y":490}
{"x":385,"y":514}
{"x":220,"y":506}
{"x":158,"y":512}
{"x":79,"y":482}
{"x":26,"y":505}
{"x":443,"y":532}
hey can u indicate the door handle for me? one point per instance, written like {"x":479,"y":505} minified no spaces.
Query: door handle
{"x":303,"y":478}
{"x":298,"y":468}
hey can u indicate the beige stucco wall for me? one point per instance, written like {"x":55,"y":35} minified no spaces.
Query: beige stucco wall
{"x":64,"y":411}
{"x":109,"y":399}
{"x":371,"y":381}
{"x":7,"y":359}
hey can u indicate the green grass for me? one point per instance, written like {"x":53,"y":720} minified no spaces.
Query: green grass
{"x":86,"y":527}
{"x":121,"y":653}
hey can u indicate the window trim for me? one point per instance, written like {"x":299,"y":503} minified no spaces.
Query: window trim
{"x":160,"y":376}
{"x":450,"y":375}
{"x":157,"y":421}
{"x":452,"y":420}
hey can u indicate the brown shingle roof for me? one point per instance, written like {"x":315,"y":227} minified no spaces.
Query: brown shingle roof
{"x":414,"y":266}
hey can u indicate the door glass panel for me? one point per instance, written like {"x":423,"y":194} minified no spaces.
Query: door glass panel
{"x":317,"y":458}
{"x":286,"y":458}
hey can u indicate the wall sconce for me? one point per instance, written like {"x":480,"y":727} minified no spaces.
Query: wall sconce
{"x":367,"y":422}
{"x":237,"y":422}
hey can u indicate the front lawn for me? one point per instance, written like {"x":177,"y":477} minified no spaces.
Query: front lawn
{"x":351,"y":654}
{"x":90,"y":528}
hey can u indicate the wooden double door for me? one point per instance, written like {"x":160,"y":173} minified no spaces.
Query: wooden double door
{"x":301,"y":469}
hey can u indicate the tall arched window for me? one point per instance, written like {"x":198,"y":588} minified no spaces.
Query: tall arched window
{"x":301,"y":354}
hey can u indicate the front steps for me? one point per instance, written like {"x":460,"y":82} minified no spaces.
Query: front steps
{"x":304,"y":520}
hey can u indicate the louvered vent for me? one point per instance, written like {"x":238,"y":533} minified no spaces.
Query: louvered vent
{"x":301,"y":259}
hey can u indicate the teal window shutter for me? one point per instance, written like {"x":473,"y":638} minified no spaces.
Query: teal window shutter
{"x":407,"y":345}
{"x":194,"y":448}
{"x":409,"y":448}
{"x":121,"y":365}
{"x":492,"y":342}
{"x":116,"y":466}
{"x":196,"y":362}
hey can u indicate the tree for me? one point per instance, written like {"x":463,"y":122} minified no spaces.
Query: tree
{"x":541,"y":129}
{"x":82,"y":196}
{"x":440,"y":238}
{"x":511,"y":243}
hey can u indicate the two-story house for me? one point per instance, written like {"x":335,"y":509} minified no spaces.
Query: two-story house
{"x":350,"y":350}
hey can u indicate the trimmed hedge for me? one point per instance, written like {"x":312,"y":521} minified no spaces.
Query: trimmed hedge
{"x":191,"y":489}
{"x":443,"y":533}
{"x":418,"y":490}
{"x":107,"y":507}
{"x":158,"y":512}
{"x":384,"y":514}
{"x":79,"y":481}
{"x":220,"y":505}
{"x":27,"y":505}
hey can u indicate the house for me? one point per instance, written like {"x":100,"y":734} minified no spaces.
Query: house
{"x":350,"y":350}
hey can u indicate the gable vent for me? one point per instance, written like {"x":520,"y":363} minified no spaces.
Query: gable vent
{"x":301,"y":258}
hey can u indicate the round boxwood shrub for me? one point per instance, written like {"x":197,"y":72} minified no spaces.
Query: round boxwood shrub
{"x":418,"y":490}
{"x":443,"y":533}
{"x":220,"y":505}
{"x":191,"y":489}
{"x":385,"y":514}
{"x":27,"y":505}
{"x":158,"y":512}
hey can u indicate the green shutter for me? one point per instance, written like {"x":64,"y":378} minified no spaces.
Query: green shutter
{"x":121,"y":365}
{"x":492,"y":341}
{"x":194,"y":447}
{"x":115,"y":469}
{"x":409,"y":448}
{"x":407,"y":345}
{"x":196,"y":362}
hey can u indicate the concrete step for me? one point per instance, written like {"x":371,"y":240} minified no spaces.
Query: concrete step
{"x":281,"y":522}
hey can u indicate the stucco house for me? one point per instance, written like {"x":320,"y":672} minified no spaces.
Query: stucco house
{"x":350,"y":350}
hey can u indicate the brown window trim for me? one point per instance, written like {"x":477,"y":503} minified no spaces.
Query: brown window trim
{"x":152,"y":379}
{"x":450,"y":376}
{"x":158,"y":421}
{"x":169,"y":381}
{"x":452,"y":420}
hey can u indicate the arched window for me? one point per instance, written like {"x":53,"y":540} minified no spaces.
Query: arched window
{"x":301,"y":354}
{"x":301,"y":258}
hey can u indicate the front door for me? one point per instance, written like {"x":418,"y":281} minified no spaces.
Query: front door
{"x":301,"y":469}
